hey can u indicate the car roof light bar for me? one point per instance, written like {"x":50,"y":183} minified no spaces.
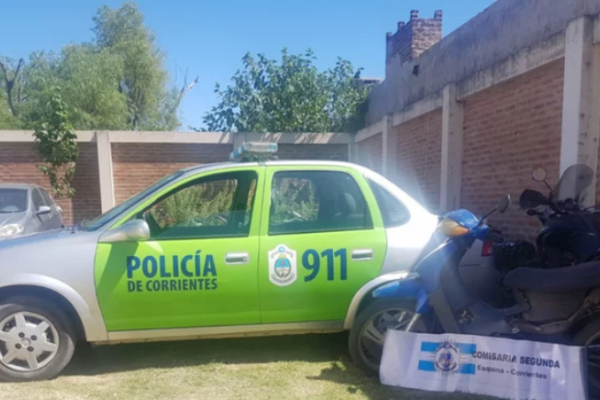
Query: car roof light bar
{"x":254,"y":151}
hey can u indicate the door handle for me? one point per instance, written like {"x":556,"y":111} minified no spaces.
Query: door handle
{"x":362,"y":254}
{"x":237,"y":258}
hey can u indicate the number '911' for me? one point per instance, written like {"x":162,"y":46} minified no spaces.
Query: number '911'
{"x":311,"y":260}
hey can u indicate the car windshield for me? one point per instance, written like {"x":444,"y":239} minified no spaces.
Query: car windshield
{"x":573,"y":182}
{"x":13,"y":200}
{"x":101,"y":220}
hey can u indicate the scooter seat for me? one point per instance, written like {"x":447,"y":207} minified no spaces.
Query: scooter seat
{"x":566,"y":279}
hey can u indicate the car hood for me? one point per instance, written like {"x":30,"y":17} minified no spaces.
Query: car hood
{"x":12,"y":218}
{"x":45,"y":248}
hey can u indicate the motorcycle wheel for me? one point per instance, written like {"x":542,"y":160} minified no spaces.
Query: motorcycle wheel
{"x":367,"y":335}
{"x":589,"y":337}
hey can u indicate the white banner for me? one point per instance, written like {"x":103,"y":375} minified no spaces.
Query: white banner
{"x":505,"y":368}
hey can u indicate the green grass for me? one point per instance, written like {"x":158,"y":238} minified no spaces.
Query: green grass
{"x":291,"y":367}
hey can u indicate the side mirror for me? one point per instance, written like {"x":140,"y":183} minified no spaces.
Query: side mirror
{"x":539,"y":174}
{"x":136,"y":230}
{"x":531,"y":199}
{"x":503,"y":204}
{"x":43,"y":210}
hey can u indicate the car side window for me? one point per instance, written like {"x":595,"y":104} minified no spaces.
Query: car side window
{"x":316,"y":201}
{"x":48,"y":200}
{"x":215,"y":206}
{"x":37,"y":200}
{"x":394,"y":213}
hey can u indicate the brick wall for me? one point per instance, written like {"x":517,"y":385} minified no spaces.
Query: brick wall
{"x":138,"y":165}
{"x":369,"y":153}
{"x":419,"y":155}
{"x":413,"y":38}
{"x":509,"y":130}
{"x":19,"y":163}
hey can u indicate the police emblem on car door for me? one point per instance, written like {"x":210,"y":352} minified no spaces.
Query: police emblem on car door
{"x":282,"y":266}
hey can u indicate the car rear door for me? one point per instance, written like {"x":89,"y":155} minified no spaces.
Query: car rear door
{"x":200,"y":266}
{"x":322,"y":238}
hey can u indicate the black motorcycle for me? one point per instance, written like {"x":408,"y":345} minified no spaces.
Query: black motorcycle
{"x":571,"y":233}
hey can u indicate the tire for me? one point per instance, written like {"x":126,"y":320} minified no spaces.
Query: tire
{"x":357,"y":348}
{"x":27,"y":338}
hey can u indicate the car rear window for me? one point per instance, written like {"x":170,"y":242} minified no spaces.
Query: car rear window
{"x":393,"y":212}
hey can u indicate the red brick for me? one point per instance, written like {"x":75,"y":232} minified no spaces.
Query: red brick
{"x":419,"y":155}
{"x":509,"y":130}
{"x":370,"y":153}
{"x":19,"y":163}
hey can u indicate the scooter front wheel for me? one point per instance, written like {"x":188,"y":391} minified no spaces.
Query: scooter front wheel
{"x":367,"y":335}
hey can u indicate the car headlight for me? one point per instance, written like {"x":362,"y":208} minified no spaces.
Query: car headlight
{"x":11,"y":230}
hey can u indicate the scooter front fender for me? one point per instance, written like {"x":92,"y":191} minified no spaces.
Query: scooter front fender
{"x":409,"y":287}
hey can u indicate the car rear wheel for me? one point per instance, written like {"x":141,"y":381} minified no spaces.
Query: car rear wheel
{"x":367,"y":336}
{"x":36,"y":340}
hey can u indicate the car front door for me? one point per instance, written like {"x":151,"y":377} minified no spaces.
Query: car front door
{"x":199,"y":267}
{"x":322,"y":238}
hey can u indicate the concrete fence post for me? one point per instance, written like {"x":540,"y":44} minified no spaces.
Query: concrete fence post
{"x":352,"y":150}
{"x":105,"y":170}
{"x":389,"y":142}
{"x":238,"y":139}
{"x":452,"y":149}
{"x":581,"y":100}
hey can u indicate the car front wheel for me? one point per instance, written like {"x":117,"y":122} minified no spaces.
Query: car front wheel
{"x":36,"y":340}
{"x":368,"y":333}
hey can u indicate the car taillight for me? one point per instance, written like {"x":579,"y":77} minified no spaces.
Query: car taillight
{"x":488,"y":249}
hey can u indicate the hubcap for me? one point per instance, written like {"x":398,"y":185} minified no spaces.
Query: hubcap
{"x":28,"y":341}
{"x":372,"y":335}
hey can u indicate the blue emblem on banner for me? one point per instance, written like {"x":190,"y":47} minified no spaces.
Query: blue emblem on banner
{"x":447,"y":357}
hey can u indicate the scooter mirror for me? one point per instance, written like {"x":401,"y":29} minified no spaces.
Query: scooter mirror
{"x":539,"y":174}
{"x":503,"y":204}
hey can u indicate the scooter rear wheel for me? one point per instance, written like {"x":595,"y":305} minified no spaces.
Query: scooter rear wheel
{"x":367,"y":335}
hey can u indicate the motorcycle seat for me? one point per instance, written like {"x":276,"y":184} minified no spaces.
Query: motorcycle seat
{"x":566,"y":279}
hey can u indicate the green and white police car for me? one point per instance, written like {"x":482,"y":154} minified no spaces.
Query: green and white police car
{"x":218,"y":250}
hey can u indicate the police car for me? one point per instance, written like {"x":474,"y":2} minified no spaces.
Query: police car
{"x":230,"y":249}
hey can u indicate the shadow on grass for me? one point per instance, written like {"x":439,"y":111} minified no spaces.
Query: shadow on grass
{"x":345,"y":373}
{"x":129,"y":357}
{"x":330,"y":348}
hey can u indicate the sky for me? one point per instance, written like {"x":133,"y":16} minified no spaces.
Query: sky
{"x":209,"y":38}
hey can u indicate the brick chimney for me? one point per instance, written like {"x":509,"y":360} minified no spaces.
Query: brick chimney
{"x":413,"y":37}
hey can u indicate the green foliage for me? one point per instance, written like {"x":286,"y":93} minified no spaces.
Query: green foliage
{"x":56,"y":143}
{"x":199,"y":204}
{"x":290,"y":96}
{"x":144,"y":81}
{"x":292,"y":199}
{"x":117,"y":82}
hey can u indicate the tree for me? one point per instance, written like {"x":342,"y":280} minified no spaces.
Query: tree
{"x":57,"y":145}
{"x":290,"y":96}
{"x":89,"y":83}
{"x":12,"y":83}
{"x":152,"y":102}
{"x":116,"y":82}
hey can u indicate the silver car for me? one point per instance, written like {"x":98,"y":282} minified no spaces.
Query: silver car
{"x":26,"y":209}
